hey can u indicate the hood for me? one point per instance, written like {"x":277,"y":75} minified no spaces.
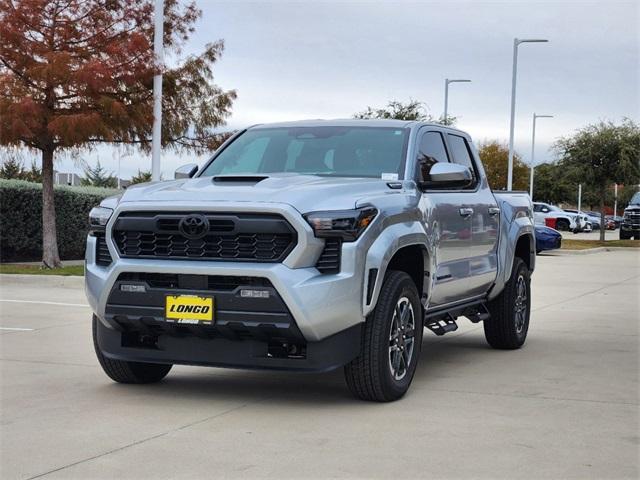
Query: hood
{"x":305,"y":193}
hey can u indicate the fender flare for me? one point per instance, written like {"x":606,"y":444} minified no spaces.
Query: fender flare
{"x":382,"y":250}
{"x":519,"y":228}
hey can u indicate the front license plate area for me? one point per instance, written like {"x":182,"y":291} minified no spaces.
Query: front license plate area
{"x":189,"y":309}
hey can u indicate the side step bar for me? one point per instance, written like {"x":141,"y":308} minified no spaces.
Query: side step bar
{"x":444,"y":320}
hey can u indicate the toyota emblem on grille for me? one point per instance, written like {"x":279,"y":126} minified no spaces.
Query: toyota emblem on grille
{"x":194,"y":226}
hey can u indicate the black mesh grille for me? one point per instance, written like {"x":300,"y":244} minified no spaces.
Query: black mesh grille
{"x":329,"y":261}
{"x":258,"y":238}
{"x":632,"y":217}
{"x":103,"y":257}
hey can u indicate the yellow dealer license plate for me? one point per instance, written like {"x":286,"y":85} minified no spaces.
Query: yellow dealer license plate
{"x":189,"y":309}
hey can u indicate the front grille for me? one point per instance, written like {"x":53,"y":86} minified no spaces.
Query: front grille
{"x":103,"y":257}
{"x":241,"y":237}
{"x":632,"y":217}
{"x":329,"y":261}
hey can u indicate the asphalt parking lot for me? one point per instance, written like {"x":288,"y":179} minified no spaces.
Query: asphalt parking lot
{"x":565,"y":406}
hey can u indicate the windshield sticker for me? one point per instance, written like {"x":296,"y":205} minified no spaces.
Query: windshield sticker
{"x":390,"y":177}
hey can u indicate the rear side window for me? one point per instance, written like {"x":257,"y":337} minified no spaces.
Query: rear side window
{"x":431,"y":151}
{"x":462,"y":153}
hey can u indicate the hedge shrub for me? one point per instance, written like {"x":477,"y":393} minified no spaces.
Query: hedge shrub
{"x":21,"y":219}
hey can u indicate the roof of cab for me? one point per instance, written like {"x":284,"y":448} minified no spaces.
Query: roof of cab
{"x":353,"y":122}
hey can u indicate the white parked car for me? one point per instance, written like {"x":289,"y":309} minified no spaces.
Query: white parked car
{"x":567,"y":221}
{"x":593,"y":218}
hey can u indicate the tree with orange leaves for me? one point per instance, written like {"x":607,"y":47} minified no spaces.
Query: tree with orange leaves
{"x":77,"y":72}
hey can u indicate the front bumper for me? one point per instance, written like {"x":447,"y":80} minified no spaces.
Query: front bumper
{"x":630,"y":227}
{"x":320,"y":304}
{"x":252,"y":353}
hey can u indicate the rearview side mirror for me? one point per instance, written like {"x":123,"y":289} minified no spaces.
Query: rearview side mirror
{"x":186,"y":171}
{"x":447,"y":175}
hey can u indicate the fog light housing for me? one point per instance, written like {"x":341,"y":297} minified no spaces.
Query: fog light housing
{"x":246,"y":293}
{"x":132,"y":288}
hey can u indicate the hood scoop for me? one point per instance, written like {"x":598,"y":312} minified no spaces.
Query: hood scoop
{"x":240,"y":180}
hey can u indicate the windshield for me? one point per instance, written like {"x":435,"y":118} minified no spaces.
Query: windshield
{"x":326,"y":150}
{"x":635,"y":200}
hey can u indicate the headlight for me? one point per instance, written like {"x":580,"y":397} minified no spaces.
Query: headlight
{"x":98,"y":218}
{"x":345,"y":224}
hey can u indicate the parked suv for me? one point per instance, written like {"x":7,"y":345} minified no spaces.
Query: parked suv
{"x":310,"y":246}
{"x":630,"y":226}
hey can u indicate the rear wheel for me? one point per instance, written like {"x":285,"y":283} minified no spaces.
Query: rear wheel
{"x":128,"y":372}
{"x":563,"y":225}
{"x":509,"y":322}
{"x":391,"y":343}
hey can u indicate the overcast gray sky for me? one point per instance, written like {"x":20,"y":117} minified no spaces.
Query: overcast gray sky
{"x":297,"y":60}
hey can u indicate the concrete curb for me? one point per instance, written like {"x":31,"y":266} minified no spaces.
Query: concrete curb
{"x":588,"y":251}
{"x":44,"y":281}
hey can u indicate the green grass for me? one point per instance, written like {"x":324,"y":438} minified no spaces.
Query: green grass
{"x":77,"y":270}
{"x":570,"y":244}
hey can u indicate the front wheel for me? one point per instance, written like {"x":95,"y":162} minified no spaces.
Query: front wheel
{"x":391,"y":341}
{"x":509,"y":322}
{"x":624,"y":235}
{"x":128,"y":372}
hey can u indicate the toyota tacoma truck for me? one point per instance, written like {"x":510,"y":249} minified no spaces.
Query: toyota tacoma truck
{"x":310,"y":246}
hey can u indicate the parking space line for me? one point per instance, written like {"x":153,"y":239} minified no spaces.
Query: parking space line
{"x":16,"y":329}
{"x":42,"y":302}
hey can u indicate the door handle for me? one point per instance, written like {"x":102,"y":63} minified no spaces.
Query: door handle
{"x":466,"y":212}
{"x":493,"y":211}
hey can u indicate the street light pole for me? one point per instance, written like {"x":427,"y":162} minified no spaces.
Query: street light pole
{"x":446,"y":94}
{"x":579,"y":197}
{"x":516,"y":42}
{"x":533,"y":150}
{"x":158,"y":14}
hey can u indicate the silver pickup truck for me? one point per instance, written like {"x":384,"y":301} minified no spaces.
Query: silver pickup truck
{"x":310,"y":246}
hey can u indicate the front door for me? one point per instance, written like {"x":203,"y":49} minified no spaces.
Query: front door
{"x":449,"y":222}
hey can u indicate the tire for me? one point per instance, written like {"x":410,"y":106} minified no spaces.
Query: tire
{"x":563,"y":225}
{"x":372,"y":375}
{"x":624,"y":235}
{"x":504,"y":329}
{"x":128,"y":372}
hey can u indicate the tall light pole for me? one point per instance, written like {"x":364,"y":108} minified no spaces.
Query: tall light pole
{"x":158,"y":15}
{"x":533,"y":150}
{"x":579,"y":197}
{"x":516,"y":42}
{"x":446,"y":94}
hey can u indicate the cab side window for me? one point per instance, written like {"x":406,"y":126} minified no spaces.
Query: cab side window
{"x":462,"y":155}
{"x":430,"y":152}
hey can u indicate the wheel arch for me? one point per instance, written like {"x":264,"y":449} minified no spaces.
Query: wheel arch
{"x":526,"y":249}
{"x":517,"y":240}
{"x":397,"y":249}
